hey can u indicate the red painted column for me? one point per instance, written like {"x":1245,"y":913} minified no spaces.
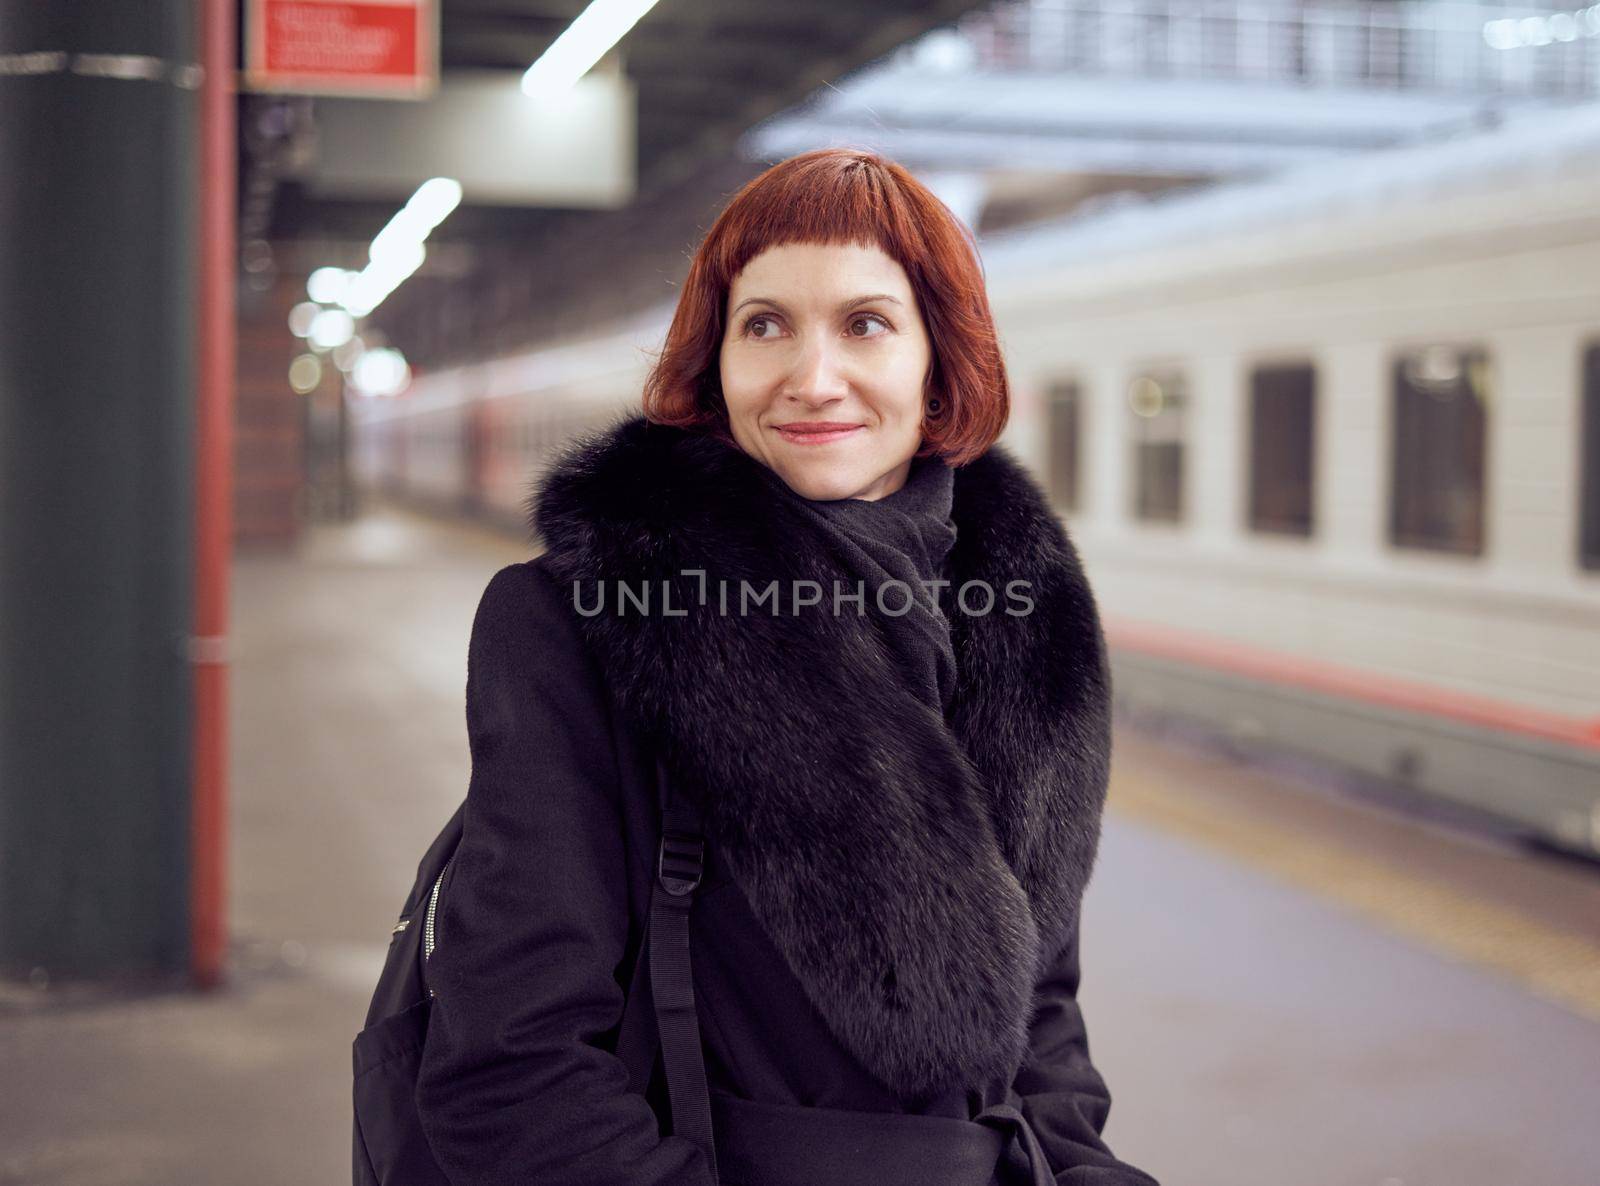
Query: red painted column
{"x":213,"y":492}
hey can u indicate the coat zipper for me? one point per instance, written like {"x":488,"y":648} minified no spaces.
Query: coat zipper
{"x":433,"y":910}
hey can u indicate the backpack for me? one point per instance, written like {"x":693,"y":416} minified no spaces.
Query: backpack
{"x":390,"y":1148}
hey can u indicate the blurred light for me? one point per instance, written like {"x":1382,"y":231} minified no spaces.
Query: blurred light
{"x":1145,"y":397}
{"x":381,"y":372}
{"x":426,"y":209}
{"x":582,"y":44}
{"x":944,"y":51}
{"x":256,"y":255}
{"x":1514,"y":33}
{"x":434,"y":200}
{"x":345,"y":356}
{"x":301,"y":317}
{"x":382,"y":276}
{"x":397,"y":251}
{"x":326,"y":285}
{"x":1501,"y":34}
{"x":330,"y":328}
{"x":305,"y":373}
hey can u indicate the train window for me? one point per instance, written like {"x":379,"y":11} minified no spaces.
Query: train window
{"x":1282,"y":432}
{"x":1437,"y":459}
{"x":1157,"y":401}
{"x":1589,"y":509}
{"x":1065,"y":436}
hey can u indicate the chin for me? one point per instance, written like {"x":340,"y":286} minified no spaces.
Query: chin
{"x":822,"y":483}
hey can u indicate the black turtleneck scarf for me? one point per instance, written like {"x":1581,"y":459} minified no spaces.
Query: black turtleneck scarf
{"x":905,"y":536}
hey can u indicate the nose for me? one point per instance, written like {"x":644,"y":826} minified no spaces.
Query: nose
{"x":816,"y":378}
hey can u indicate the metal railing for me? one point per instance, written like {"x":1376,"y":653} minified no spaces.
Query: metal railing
{"x":1415,"y":46}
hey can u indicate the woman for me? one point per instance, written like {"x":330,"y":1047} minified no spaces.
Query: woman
{"x":859,"y":639}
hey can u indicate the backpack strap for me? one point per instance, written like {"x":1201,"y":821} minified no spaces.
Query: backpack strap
{"x":680,"y":863}
{"x":636,"y":1040}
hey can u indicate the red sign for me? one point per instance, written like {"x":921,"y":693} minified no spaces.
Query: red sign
{"x":367,"y":48}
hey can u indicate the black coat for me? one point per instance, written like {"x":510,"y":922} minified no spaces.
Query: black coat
{"x":889,"y":920}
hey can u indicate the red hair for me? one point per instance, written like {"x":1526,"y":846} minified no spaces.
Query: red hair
{"x":843,"y":196}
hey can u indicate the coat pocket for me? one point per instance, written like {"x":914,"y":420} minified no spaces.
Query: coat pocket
{"x":390,"y":1148}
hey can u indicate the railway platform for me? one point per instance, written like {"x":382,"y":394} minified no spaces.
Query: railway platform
{"x":1283,"y":986}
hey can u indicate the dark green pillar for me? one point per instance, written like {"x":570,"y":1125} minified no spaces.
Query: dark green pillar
{"x":98,"y":151}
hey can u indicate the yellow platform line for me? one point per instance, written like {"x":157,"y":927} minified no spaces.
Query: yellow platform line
{"x":1559,"y":967}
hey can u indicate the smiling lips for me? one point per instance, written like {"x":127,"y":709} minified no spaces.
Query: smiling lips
{"x":816,"y":432}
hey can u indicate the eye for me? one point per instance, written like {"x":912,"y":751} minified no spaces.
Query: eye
{"x":867,"y":320}
{"x":762,"y":319}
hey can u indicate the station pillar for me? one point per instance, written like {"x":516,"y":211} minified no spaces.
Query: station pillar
{"x":99,"y":149}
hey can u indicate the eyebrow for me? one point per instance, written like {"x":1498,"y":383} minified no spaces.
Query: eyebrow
{"x":850,"y":304}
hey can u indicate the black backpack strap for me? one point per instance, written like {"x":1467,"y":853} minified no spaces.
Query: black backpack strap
{"x":680,"y":863}
{"x":636,"y":1041}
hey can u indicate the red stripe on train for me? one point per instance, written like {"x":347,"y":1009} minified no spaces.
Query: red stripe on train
{"x":1277,"y":668}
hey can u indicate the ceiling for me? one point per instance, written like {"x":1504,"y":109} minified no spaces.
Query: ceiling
{"x":705,"y":71}
{"x":501,"y":278}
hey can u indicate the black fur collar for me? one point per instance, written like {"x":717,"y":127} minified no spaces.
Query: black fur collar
{"x":916,"y":877}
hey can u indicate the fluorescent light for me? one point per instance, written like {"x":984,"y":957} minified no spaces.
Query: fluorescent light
{"x":397,"y":251}
{"x":582,"y":44}
{"x":427,"y":208}
{"x":326,"y":285}
{"x":434,"y":200}
{"x":380,"y":373}
{"x":1514,"y":33}
{"x":388,"y":270}
{"x":330,"y":328}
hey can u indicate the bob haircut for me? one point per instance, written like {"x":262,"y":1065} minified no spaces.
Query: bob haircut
{"x":843,"y":196}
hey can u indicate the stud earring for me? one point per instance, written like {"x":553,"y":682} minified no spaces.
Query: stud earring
{"x":933,"y":407}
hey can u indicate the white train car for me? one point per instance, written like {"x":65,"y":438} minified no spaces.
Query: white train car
{"x":475,"y":439}
{"x":1329,"y":444}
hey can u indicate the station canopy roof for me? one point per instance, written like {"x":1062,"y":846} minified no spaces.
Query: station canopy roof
{"x":705,"y":71}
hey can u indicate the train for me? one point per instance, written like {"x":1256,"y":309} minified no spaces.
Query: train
{"x":1327,"y":440}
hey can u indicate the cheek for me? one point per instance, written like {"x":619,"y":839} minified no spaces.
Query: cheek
{"x":739,"y":378}
{"x":729,"y":379}
{"x":903,"y":386}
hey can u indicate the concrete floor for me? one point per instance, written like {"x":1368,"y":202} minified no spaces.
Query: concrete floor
{"x":1283,"y":988}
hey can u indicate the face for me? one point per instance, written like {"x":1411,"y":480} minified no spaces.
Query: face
{"x":824,"y":364}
